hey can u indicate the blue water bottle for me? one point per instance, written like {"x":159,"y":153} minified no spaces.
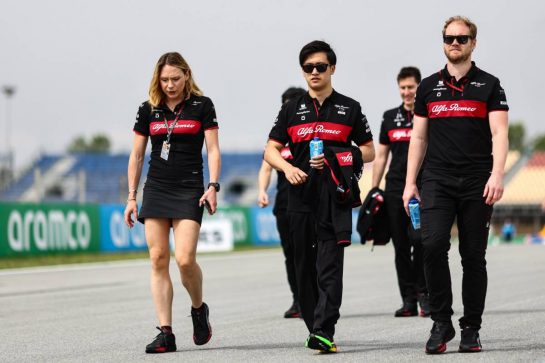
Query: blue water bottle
{"x":316,"y":147}
{"x":414,"y":211}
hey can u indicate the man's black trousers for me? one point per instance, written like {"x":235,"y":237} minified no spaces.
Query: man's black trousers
{"x":444,"y":197}
{"x":408,"y":249}
{"x":319,"y":271}
{"x":282,"y":224}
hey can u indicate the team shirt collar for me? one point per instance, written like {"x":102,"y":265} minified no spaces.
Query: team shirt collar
{"x":329,"y":98}
{"x":164,"y":107}
{"x":470,"y":74}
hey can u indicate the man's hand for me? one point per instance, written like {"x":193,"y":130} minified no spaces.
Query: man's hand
{"x":317,"y":162}
{"x":262,"y":199}
{"x":410,"y":191}
{"x":295,"y":175}
{"x":130,"y":210}
{"x":493,"y":190}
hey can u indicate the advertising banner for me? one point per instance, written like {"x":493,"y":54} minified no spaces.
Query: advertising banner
{"x":216,"y":236}
{"x":355,"y":235}
{"x":239,"y":218}
{"x":115,"y":236}
{"x":32,"y":229}
{"x":264,"y":231}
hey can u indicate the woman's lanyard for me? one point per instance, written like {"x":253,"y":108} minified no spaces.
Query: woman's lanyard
{"x":166,"y":144}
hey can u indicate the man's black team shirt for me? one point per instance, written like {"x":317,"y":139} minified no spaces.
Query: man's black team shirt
{"x":395,"y":131}
{"x":339,"y":121}
{"x":186,"y":142}
{"x":459,"y":136}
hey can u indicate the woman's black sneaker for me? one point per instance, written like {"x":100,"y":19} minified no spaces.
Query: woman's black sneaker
{"x":441,"y":333}
{"x":470,"y":342}
{"x":202,"y":331}
{"x":163,"y":342}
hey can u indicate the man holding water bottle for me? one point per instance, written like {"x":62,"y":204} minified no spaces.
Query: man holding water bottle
{"x":460,"y":125}
{"x":337,"y":121}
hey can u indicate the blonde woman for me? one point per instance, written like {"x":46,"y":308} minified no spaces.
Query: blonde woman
{"x":177,"y":119}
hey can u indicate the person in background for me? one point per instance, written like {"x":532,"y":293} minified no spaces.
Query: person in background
{"x":395,"y":134}
{"x":460,"y":125}
{"x":280,"y":210}
{"x":178,"y":119}
{"x":508,"y":231}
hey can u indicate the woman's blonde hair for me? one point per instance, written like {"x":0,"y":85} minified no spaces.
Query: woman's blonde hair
{"x":174,"y":59}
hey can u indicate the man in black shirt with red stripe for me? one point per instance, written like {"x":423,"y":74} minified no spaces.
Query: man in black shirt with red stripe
{"x":460,"y":125}
{"x":395,"y":134}
{"x":319,"y":252}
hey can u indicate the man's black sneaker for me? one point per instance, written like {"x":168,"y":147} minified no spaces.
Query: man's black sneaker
{"x":424,"y":303}
{"x":322,"y":342}
{"x":163,"y":342}
{"x":470,"y":342}
{"x":202,"y":331}
{"x":408,"y":309}
{"x":440,"y":334}
{"x":293,"y":311}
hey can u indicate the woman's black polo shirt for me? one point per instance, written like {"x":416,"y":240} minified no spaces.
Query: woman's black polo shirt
{"x":186,"y":142}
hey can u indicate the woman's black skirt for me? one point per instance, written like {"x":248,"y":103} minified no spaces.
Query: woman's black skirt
{"x":172,"y":200}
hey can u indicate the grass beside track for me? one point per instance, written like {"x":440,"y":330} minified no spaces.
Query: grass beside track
{"x":63,"y":259}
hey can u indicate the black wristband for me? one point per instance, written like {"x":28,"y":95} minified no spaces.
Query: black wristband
{"x":215,"y":185}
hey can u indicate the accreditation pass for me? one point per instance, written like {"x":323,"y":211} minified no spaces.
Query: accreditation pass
{"x":165,"y":150}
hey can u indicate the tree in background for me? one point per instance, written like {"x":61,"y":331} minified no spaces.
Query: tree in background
{"x":539,"y":144}
{"x":517,"y":132}
{"x":78,"y":145}
{"x":99,"y":143}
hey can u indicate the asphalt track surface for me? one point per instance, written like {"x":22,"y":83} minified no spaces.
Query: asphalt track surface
{"x":104,"y":313}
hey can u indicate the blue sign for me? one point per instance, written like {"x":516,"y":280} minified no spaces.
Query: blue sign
{"x":264,"y":231}
{"x":115,"y":235}
{"x":355,"y":235}
{"x":263,"y":228}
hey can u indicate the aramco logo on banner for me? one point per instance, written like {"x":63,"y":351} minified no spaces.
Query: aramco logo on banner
{"x":54,"y":230}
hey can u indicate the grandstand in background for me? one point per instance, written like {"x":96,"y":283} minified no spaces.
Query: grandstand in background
{"x":523,"y":196}
{"x":102,"y":178}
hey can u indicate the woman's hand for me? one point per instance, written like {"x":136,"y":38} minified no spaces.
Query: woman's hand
{"x":130,"y":209}
{"x":210,"y":197}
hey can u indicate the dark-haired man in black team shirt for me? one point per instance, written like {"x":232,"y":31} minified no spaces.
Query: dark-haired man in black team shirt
{"x":461,"y":120}
{"x":395,"y":133}
{"x":319,"y":254}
